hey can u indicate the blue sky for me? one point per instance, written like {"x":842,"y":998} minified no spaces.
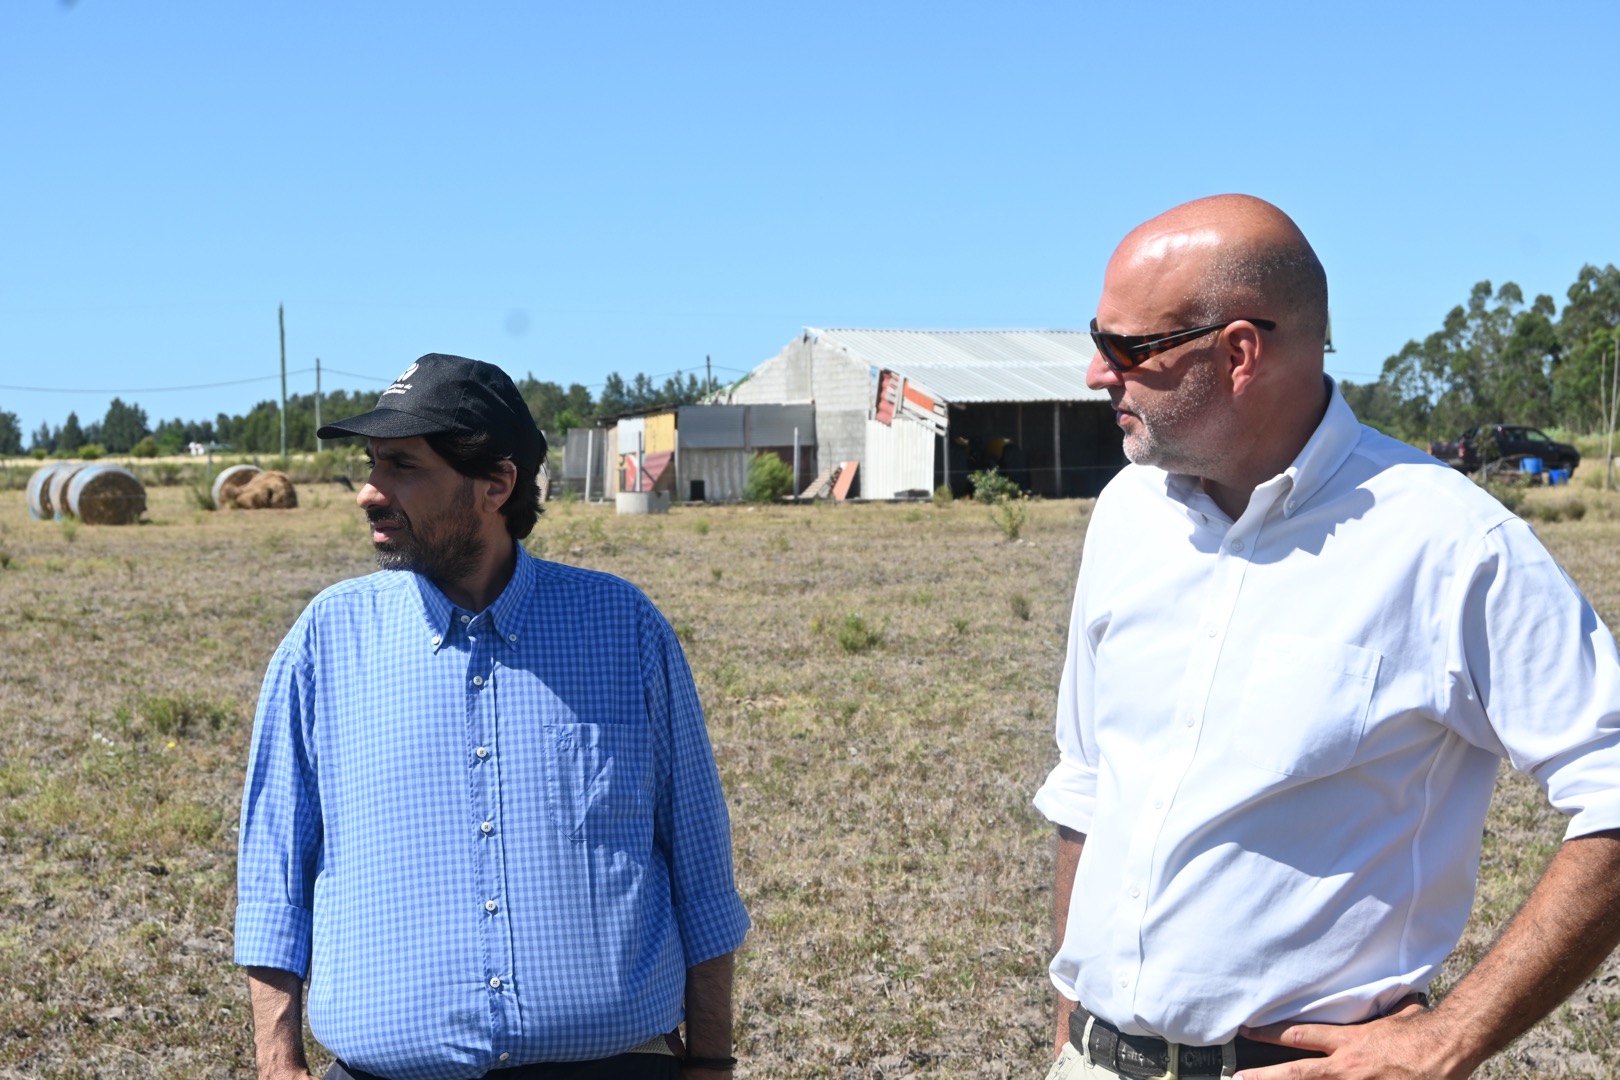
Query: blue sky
{"x":574,"y":189}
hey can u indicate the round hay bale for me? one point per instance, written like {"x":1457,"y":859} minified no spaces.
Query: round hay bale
{"x":106,"y":495}
{"x":59,"y":483}
{"x":230,"y":481}
{"x":39,"y":491}
{"x":268,"y":491}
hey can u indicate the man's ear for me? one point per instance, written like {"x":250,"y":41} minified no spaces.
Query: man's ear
{"x":494,"y":491}
{"x":1244,"y":350}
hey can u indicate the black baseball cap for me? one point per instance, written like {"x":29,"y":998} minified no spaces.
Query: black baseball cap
{"x":442,"y":394}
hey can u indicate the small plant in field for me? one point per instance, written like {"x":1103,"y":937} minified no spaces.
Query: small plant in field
{"x":855,"y":635}
{"x":716,"y":573}
{"x":959,"y":625}
{"x":91,"y":452}
{"x":202,"y":495}
{"x":990,"y":486}
{"x":777,"y":543}
{"x":5,"y":560}
{"x":70,"y":529}
{"x":176,"y":714}
{"x":568,"y":496}
{"x":147,"y":447}
{"x":1575,"y":508}
{"x":167,"y":473}
{"x":536,"y":546}
{"x":769,"y":478}
{"x":1009,"y":516}
{"x":1019,"y":603}
{"x":943,"y":496}
{"x":1509,"y":496}
{"x":701,"y":526}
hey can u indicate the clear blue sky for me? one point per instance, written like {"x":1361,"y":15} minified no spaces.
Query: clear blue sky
{"x":574,"y":189}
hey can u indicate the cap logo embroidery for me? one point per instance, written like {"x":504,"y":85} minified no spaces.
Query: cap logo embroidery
{"x":400,"y":385}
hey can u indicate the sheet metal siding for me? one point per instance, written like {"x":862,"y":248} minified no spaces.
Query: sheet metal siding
{"x":899,"y":457}
{"x":576,"y":454}
{"x":660,"y":432}
{"x":967,"y":366}
{"x":724,"y":473}
{"x":772,"y":425}
{"x":710,"y":427}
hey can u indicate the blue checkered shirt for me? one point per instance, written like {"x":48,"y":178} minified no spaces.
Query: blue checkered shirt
{"x":489,"y":838}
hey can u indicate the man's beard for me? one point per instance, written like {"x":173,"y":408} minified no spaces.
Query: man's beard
{"x":444,"y":547}
{"x":1164,"y":425}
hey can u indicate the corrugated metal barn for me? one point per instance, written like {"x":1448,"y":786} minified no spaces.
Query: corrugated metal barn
{"x":922,"y":408}
{"x":700,"y":453}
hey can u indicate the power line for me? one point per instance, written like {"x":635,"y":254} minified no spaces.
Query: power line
{"x":150,"y":389}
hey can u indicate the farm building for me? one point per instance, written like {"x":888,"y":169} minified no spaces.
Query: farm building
{"x":922,"y":408}
{"x":701,"y":453}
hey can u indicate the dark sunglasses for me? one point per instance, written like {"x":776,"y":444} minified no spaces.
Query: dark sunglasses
{"x":1124,"y":351}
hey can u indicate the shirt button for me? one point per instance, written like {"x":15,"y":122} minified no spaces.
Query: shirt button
{"x":1123,"y":982}
{"x":1135,"y":892}
{"x":1158,"y":804}
{"x":489,"y":905}
{"x":478,"y":680}
{"x":465,"y":619}
{"x":1210,"y":631}
{"x":1236,"y":546}
{"x":495,"y":983}
{"x":1188,"y":722}
{"x":436,"y":640}
{"x":511,"y":637}
{"x":487,"y":827}
{"x":505,"y":1056}
{"x":482,"y":751}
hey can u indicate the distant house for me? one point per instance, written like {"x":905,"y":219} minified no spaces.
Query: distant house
{"x":922,"y":408}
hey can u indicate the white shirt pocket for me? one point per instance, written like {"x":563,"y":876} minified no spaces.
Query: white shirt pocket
{"x":1305,"y":703}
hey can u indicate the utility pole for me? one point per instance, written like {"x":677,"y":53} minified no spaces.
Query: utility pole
{"x":318,"y":446}
{"x":708,"y":375}
{"x":1614,"y":388}
{"x":281,"y":322}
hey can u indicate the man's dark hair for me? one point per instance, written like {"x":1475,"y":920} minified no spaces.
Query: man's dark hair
{"x":471,"y":456}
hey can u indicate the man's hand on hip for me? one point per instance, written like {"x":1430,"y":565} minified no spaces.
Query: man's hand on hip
{"x":1408,"y":1043}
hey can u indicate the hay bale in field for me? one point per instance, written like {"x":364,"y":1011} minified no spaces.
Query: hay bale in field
{"x":268,"y":491}
{"x":39,"y":491}
{"x":59,"y":484}
{"x":229,"y":482}
{"x":106,"y":495}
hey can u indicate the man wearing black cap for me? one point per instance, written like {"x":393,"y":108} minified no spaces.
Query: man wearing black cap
{"x":481,"y":813}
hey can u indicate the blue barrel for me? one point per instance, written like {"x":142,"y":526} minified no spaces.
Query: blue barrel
{"x":1557,"y":476}
{"x":1530,"y":466}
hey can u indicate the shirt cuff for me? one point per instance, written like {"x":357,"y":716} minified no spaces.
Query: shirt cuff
{"x":1069,"y":797}
{"x":1600,"y":811}
{"x":273,"y":936}
{"x":711,"y":926}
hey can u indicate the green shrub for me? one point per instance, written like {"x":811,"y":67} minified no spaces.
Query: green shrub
{"x":91,"y":451}
{"x":943,"y":495}
{"x":1509,"y":496}
{"x":769,"y":478}
{"x":1009,"y":516}
{"x":990,"y":486}
{"x":147,"y":447}
{"x":39,"y":453}
{"x":1019,"y":603}
{"x":855,"y":635}
{"x":176,"y":714}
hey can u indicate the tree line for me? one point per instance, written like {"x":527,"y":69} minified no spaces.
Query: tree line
{"x":126,"y":428}
{"x":1497,"y":359}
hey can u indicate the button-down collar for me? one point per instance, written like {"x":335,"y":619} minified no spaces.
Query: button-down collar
{"x":502,"y":618}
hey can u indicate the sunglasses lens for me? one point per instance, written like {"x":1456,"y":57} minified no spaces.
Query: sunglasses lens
{"x":1112,"y":354}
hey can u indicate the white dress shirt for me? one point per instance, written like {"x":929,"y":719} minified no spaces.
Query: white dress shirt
{"x":1280,"y":735}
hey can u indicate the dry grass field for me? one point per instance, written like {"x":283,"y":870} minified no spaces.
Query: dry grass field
{"x":878,"y":679}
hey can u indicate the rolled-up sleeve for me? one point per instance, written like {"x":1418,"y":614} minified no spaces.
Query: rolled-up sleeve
{"x":1541,"y":677}
{"x":1069,"y":795}
{"x":279,"y":851}
{"x":692,"y":827}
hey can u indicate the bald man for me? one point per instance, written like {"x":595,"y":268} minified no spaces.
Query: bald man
{"x":1299,"y":651}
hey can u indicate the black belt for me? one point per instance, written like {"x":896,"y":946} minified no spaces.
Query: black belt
{"x":1144,"y":1057}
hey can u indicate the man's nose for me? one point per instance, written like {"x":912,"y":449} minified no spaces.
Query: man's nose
{"x":1099,"y":376}
{"x":370,"y":496}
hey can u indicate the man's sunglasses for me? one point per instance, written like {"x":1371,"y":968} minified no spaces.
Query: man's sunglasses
{"x":1124,"y":351}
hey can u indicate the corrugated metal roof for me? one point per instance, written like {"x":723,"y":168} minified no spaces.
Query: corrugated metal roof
{"x":980,"y":365}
